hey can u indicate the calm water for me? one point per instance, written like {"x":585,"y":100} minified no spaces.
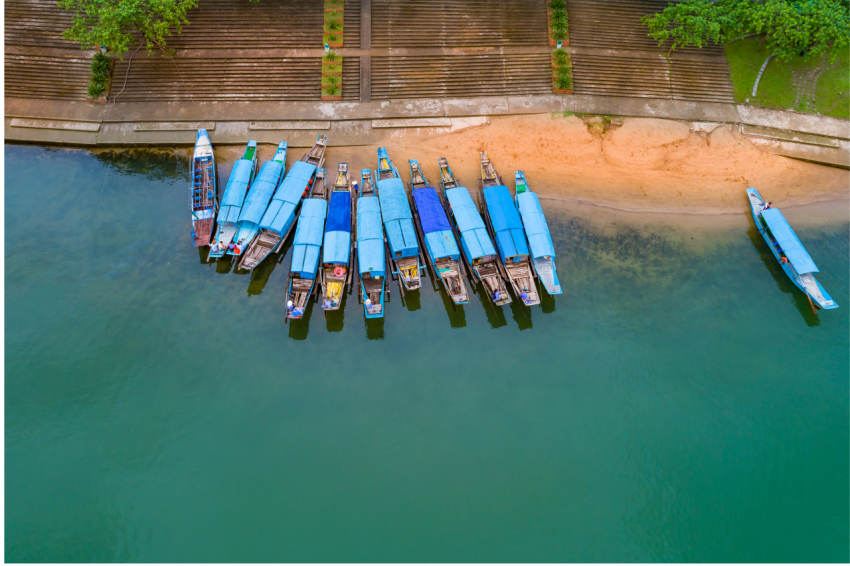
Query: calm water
{"x":678,"y":402}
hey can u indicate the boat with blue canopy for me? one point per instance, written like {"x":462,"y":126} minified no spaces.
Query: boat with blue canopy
{"x":539,"y":238}
{"x":788,"y":250}
{"x":257,"y":201}
{"x":336,"y":252}
{"x":237,"y":187}
{"x":480,"y":254}
{"x":441,"y":249}
{"x":307,"y":248}
{"x":506,"y":229}
{"x":398,"y":223}
{"x":371,"y":257}
{"x":203,"y":197}
{"x":279,"y":217}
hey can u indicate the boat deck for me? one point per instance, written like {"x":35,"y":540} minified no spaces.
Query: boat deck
{"x":373,"y":287}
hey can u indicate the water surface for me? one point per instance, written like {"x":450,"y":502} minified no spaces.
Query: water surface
{"x":679,"y":402}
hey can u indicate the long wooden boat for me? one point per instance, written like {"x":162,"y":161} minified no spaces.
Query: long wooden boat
{"x":506,"y":229}
{"x":441,"y":249}
{"x":307,"y":248}
{"x":240,"y":181}
{"x":539,"y":238}
{"x":788,"y":250}
{"x":257,"y":201}
{"x":371,"y":259}
{"x":203,"y":196}
{"x":336,"y":252}
{"x":480,"y":254}
{"x":279,"y":217}
{"x":398,"y":223}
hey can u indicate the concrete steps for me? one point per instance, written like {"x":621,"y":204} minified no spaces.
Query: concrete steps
{"x":37,"y":23}
{"x":460,"y":76}
{"x":58,"y":78}
{"x":458,"y":23}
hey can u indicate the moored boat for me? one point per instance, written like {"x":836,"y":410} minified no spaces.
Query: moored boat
{"x":279,"y":217}
{"x":476,"y":245}
{"x":371,"y":259}
{"x":307,"y":248}
{"x":237,"y":187}
{"x":336,"y":252}
{"x":203,"y":196}
{"x":398,"y":223}
{"x":506,"y":230}
{"x":539,"y":238}
{"x":788,"y":250}
{"x":257,"y":201}
{"x":441,"y":249}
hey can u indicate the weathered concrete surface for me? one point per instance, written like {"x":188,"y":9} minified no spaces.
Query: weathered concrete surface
{"x":54,"y":125}
{"x":828,"y":155}
{"x":488,"y":106}
{"x":49,"y":137}
{"x":290,"y":125}
{"x":53,"y":109}
{"x":412,"y":123}
{"x":785,"y":135}
{"x":794,"y":121}
{"x":651,"y":108}
{"x":173,"y":126}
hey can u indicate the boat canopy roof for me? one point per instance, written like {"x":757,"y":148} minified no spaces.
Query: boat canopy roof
{"x":506,"y":221}
{"x":234,"y":193}
{"x":431,"y":211}
{"x":287,"y":196}
{"x":473,"y":232}
{"x":442,"y":244}
{"x":789,"y":242}
{"x":536,"y":228}
{"x":261,"y":192}
{"x":370,"y":236}
{"x":394,"y":204}
{"x":308,"y":238}
{"x":339,"y":212}
{"x":401,"y":236}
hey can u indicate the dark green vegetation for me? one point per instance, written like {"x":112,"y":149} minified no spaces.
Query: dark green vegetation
{"x":101,"y":71}
{"x":563,"y":71}
{"x":818,"y":84}
{"x":678,"y":403}
{"x":558,"y":19}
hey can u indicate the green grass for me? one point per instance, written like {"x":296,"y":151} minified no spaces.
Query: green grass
{"x":777,"y":90}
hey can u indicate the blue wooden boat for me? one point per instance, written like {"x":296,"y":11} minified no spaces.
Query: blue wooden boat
{"x":371,"y":259}
{"x":432,"y":223}
{"x":506,"y":230}
{"x":398,"y":223}
{"x":480,"y":254}
{"x":257,"y":201}
{"x":336,"y":253}
{"x":788,"y":250}
{"x":203,"y":197}
{"x":307,"y":248}
{"x":279,"y":217}
{"x":234,"y":196}
{"x":539,"y":238}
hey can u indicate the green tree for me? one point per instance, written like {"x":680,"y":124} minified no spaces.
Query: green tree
{"x":112,"y":22}
{"x":790,"y":27}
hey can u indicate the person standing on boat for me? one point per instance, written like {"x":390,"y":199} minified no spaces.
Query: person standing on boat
{"x":215,"y":248}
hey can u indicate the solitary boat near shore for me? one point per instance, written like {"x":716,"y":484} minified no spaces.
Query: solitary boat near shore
{"x":371,"y":257}
{"x":507,"y":231}
{"x":441,"y":249}
{"x":234,"y":196}
{"x":203,"y":196}
{"x":788,"y":250}
{"x":539,"y":238}
{"x":480,"y":253}
{"x":398,"y":223}
{"x":257,"y":201}
{"x":279,"y":217}
{"x":336,"y":252}
{"x":307,"y":248}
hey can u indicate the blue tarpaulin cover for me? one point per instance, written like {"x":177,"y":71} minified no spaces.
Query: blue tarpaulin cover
{"x":234,"y":193}
{"x":536,"y":228}
{"x":510,"y":237}
{"x":337,"y":248}
{"x":789,"y":242}
{"x":397,"y":217}
{"x":281,"y":210}
{"x":261,"y":192}
{"x":473,"y":232}
{"x":370,"y":237}
{"x":308,"y":238}
{"x":339,"y":212}
{"x":431,"y":212}
{"x":442,"y":244}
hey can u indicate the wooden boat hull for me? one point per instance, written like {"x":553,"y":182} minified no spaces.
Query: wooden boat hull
{"x":203,"y":191}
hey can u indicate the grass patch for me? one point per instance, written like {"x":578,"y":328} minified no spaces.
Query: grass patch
{"x":332,"y":80}
{"x":776,"y":88}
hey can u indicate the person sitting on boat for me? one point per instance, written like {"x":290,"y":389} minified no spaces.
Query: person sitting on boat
{"x":524,"y":296}
{"x":327,"y":304}
{"x":232,"y":246}
{"x":368,"y":303}
{"x":354,"y":185}
{"x":784,"y":259}
{"x":767,"y":205}
{"x":215,"y":248}
{"x":289,"y":306}
{"x":496,"y":295}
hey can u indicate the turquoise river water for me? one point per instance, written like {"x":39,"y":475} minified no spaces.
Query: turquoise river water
{"x":679,"y":402}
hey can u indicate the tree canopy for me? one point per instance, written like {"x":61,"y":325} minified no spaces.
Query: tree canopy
{"x":791,"y":27}
{"x":111,"y":22}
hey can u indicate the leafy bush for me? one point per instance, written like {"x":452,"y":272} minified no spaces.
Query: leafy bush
{"x":334,"y":25}
{"x":559,"y":31}
{"x":564,"y":80}
{"x":331,"y":90}
{"x":556,"y":5}
{"x":330,"y":57}
{"x":559,"y":18}
{"x":99,"y":81}
{"x":561,"y":57}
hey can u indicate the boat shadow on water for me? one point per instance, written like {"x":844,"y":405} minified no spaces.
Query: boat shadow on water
{"x":521,"y":314}
{"x":299,"y":328}
{"x":457,"y":316}
{"x":374,"y":328}
{"x":782,"y":281}
{"x":261,"y":274}
{"x":495,"y":314}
